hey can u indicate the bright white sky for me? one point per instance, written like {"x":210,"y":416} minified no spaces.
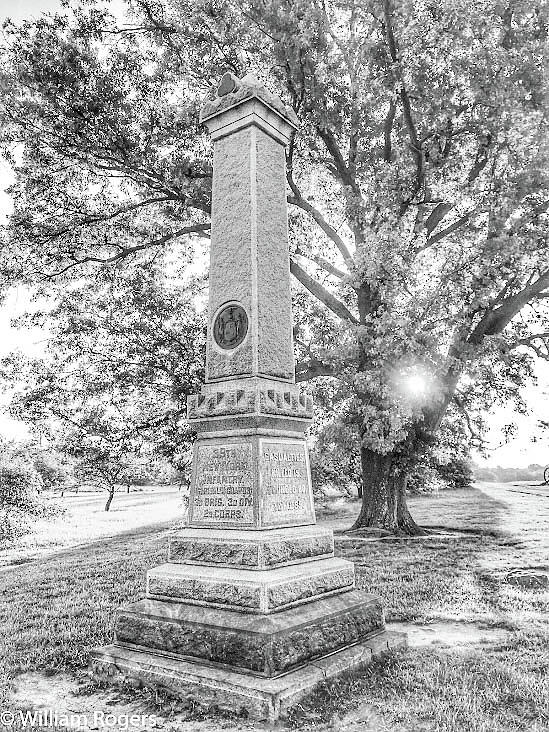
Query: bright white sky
{"x":23,"y":9}
{"x":528,"y":447}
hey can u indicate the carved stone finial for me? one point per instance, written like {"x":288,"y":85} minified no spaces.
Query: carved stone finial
{"x":228,"y":84}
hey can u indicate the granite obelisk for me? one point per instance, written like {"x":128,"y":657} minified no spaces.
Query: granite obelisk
{"x":252,"y":609}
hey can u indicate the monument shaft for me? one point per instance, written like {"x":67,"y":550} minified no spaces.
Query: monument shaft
{"x":249,"y":261}
{"x":252,"y":609}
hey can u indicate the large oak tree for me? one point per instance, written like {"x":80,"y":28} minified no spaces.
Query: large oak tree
{"x":417,"y":184}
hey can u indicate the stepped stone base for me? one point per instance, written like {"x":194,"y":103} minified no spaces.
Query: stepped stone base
{"x":256,"y":591}
{"x":266,"y":645}
{"x":262,"y":698}
{"x":260,"y":549}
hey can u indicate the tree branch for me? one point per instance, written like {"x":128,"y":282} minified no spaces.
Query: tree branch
{"x":127,"y":251}
{"x":324,"y":264}
{"x":475,"y":435}
{"x":436,"y":216}
{"x":481,"y":159}
{"x":528,"y":342}
{"x":341,"y":167}
{"x":387,"y":129}
{"x":298,"y":200}
{"x":321,"y":293}
{"x":403,"y":93}
{"x":312,"y":369}
{"x":87,"y":220}
{"x":494,"y":321}
{"x":445,"y":232}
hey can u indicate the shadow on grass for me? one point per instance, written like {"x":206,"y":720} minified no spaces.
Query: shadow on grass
{"x":53,"y":611}
{"x":69,"y":551}
{"x":468,"y":510}
{"x":494,"y":686}
{"x":439,"y":578}
{"x":430,"y":690}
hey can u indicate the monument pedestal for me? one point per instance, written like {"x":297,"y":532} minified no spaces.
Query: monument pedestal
{"x":246,"y":620}
{"x":252,"y":609}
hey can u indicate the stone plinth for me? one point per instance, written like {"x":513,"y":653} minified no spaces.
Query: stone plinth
{"x":259,"y":696}
{"x":251,"y":549}
{"x":255,"y":591}
{"x":267,"y":645}
{"x":252,"y":609}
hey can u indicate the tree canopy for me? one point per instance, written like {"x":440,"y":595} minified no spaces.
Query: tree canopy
{"x":417,"y":185}
{"x":121,"y":358}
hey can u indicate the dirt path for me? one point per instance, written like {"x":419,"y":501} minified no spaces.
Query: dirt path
{"x":526,"y":520}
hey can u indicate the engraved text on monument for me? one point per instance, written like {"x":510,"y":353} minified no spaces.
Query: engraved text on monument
{"x":284,"y":493}
{"x":223,"y":485}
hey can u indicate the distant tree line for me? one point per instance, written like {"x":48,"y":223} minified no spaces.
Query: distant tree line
{"x":29,"y":471}
{"x":533,"y":472}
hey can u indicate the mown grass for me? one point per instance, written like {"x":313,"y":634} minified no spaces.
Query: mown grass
{"x":53,"y":612}
{"x":83,"y":519}
{"x":499,"y":689}
{"x":443,"y":579}
{"x":496,"y":687}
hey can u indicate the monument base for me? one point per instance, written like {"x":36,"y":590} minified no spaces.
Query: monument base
{"x":262,"y":698}
{"x":264,"y":645}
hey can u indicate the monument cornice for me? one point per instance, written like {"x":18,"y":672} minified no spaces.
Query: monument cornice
{"x":288,"y":401}
{"x":248,"y":112}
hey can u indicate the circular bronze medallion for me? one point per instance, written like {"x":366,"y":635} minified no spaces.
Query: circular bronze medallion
{"x":230,"y":327}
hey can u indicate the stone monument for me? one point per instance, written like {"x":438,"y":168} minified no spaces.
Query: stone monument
{"x":252,"y":609}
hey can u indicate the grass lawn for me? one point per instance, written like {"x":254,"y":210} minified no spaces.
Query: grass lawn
{"x":52,"y":612}
{"x":84,"y":520}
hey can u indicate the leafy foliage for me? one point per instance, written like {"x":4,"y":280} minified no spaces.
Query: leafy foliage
{"x":54,"y":470}
{"x":121,"y":358}
{"x":20,"y":502}
{"x":417,"y":184}
{"x":335,"y":466}
{"x":456,"y":473}
{"x":20,"y":484}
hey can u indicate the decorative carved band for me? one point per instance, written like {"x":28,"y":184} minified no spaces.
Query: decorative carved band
{"x":290,"y":403}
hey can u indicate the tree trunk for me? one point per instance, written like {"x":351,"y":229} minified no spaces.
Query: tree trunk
{"x":109,"y":499}
{"x":405,"y":522}
{"x":384,"y":496}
